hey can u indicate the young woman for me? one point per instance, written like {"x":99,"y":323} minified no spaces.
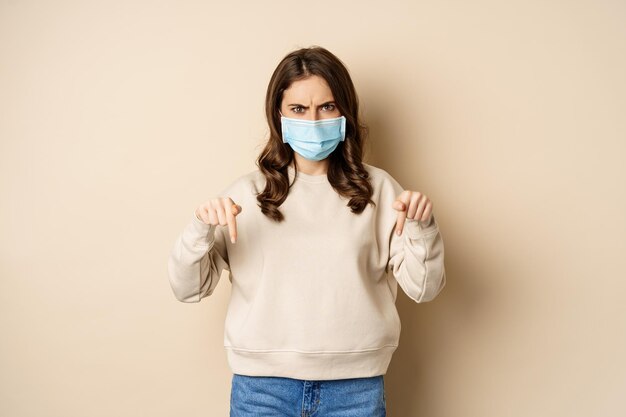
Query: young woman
{"x":309,"y":239}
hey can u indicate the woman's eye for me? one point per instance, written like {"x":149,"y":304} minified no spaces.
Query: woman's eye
{"x":329,"y":107}
{"x":296,"y":109}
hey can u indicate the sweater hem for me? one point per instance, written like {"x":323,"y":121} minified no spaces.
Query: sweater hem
{"x":310,"y":365}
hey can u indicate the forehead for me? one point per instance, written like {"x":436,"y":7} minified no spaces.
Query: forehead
{"x":313,"y":87}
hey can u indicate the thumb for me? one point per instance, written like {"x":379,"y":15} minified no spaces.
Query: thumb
{"x":398,"y":205}
{"x":236,"y":209}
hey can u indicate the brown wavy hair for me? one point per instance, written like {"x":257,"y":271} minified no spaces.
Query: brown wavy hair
{"x":346,"y":172}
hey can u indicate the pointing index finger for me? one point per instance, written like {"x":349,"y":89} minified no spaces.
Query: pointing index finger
{"x":231,"y":211}
{"x":401,"y":213}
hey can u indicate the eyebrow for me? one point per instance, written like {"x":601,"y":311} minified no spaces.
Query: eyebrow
{"x":306,"y":107}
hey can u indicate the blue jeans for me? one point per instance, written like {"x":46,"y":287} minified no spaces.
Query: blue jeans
{"x":272,"y":396}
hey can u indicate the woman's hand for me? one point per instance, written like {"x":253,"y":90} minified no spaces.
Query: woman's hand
{"x":222,"y":211}
{"x":412,"y":205}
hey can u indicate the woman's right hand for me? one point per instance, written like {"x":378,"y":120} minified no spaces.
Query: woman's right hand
{"x":222,"y":211}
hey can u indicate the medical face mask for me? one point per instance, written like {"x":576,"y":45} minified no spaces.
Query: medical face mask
{"x":313,"y":139}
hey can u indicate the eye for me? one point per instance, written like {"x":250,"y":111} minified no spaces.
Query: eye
{"x":329,"y":107}
{"x":295,"y":109}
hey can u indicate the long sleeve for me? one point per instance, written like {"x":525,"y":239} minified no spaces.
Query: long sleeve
{"x":416,"y":257}
{"x":196,"y":261}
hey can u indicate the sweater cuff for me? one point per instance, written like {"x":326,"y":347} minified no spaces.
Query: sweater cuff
{"x":417,"y":228}
{"x":200,"y":231}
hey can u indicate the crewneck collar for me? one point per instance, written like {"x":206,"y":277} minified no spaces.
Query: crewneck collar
{"x":319,"y":179}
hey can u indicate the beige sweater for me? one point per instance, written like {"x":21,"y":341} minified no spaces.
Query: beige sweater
{"x":313,"y":297}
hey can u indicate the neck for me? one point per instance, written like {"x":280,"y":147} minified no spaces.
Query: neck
{"x":309,"y":167}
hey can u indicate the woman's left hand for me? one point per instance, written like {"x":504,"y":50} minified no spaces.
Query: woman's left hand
{"x":412,"y":205}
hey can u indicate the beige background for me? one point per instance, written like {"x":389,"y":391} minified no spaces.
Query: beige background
{"x":118,"y":118}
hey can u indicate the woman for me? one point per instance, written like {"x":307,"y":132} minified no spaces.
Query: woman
{"x":312,"y":233}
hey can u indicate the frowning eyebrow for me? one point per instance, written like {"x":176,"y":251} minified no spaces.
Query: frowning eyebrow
{"x":306,"y":107}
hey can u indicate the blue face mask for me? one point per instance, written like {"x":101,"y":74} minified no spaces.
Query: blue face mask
{"x":313,"y":139}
